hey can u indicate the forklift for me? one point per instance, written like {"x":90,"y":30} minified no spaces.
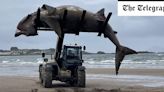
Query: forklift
{"x":66,"y":66}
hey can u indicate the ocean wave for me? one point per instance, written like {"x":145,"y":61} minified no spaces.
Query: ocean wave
{"x":18,"y":60}
{"x":5,"y":62}
{"x":99,"y":62}
{"x":159,"y":54}
{"x":90,"y":62}
{"x":39,"y":62}
{"x":21,"y":62}
{"x":161,"y":60}
{"x":27,"y":63}
{"x":107,"y":61}
{"x":103,"y":62}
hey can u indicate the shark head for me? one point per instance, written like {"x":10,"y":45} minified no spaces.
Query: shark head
{"x":27,"y":26}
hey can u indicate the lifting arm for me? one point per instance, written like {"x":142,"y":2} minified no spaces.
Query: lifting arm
{"x":59,"y":45}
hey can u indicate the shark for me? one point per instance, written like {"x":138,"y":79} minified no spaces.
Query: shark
{"x":70,"y":19}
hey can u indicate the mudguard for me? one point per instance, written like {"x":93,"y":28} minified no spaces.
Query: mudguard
{"x":81,"y":68}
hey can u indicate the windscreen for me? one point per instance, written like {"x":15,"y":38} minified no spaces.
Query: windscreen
{"x":73,"y":53}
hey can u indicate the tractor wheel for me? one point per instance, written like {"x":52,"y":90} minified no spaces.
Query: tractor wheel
{"x":47,"y":80}
{"x":40,"y":75}
{"x":81,"y":78}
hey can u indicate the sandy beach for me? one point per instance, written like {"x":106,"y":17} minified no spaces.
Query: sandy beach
{"x":98,"y":80}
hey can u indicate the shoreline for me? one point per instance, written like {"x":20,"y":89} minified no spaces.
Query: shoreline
{"x":127,"y":71}
{"x":98,"y":80}
{"x":111,"y":71}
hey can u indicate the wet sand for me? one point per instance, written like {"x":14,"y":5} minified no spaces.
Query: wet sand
{"x":93,"y":84}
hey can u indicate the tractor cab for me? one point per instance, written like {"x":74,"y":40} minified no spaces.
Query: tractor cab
{"x":71,"y":57}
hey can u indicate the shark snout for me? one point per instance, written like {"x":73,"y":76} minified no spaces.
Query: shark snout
{"x":30,"y":32}
{"x":18,"y":32}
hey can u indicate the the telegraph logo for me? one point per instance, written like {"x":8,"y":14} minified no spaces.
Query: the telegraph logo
{"x":140,"y":7}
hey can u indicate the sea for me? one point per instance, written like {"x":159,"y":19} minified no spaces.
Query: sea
{"x":27,"y":65}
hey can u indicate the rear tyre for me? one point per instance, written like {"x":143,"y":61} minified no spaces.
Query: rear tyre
{"x":81,"y":78}
{"x":47,"y":80}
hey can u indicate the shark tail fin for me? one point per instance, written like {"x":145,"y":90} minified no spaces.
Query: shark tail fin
{"x":101,"y":12}
{"x":120,"y":54}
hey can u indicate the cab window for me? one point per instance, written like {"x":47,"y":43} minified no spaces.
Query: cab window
{"x":73,"y":53}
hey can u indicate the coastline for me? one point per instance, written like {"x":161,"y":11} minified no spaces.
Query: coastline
{"x":12,"y":53}
{"x":96,"y":83}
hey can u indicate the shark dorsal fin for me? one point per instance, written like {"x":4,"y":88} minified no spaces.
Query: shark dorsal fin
{"x":101,"y":12}
{"x":47,"y":7}
{"x":50,"y":9}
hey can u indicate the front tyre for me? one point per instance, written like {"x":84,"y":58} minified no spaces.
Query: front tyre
{"x":47,"y":80}
{"x":81,"y":78}
{"x":40,"y":75}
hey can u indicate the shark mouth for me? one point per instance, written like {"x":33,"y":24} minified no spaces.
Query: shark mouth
{"x":18,"y":33}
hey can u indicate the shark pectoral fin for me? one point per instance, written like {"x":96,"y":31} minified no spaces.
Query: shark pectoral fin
{"x":53,"y":23}
{"x":120,"y":54}
{"x":58,"y":29}
{"x":115,"y":32}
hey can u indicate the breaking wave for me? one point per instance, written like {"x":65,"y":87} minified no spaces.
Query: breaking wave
{"x":86,"y":62}
{"x":21,"y":62}
{"x":28,"y":65}
{"x":93,"y":60}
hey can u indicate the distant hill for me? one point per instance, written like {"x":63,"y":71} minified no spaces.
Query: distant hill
{"x":101,"y":52}
{"x":84,"y":52}
{"x":17,"y":51}
{"x":145,"y":52}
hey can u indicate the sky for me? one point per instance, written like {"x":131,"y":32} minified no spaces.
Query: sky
{"x":139,"y":33}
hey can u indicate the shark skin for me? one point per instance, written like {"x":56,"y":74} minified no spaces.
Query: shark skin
{"x":70,"y":19}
